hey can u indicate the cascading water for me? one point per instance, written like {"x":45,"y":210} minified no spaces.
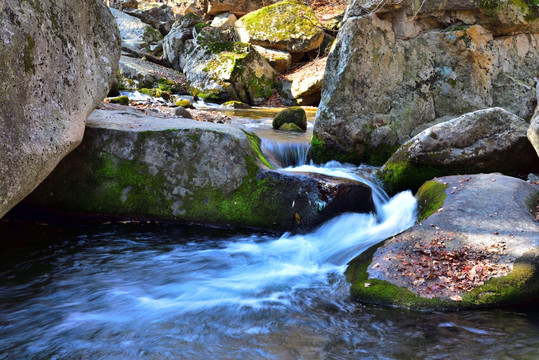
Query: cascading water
{"x":172,"y":292}
{"x":284,"y":154}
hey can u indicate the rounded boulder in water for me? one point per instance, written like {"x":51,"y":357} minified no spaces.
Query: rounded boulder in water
{"x":293,"y":115}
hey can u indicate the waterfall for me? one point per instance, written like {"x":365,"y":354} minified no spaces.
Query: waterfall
{"x":284,"y":154}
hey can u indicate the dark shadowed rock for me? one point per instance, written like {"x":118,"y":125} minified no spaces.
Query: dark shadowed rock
{"x":57,"y":62}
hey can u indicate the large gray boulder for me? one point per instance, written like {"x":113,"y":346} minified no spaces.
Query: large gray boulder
{"x":482,"y":141}
{"x":398,"y":69}
{"x":135,"y":166}
{"x":57,"y":62}
{"x":287,"y":25}
{"x":475,"y":246}
{"x":220,"y":70}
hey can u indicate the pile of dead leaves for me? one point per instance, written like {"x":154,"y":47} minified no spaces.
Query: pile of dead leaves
{"x":433,"y":271}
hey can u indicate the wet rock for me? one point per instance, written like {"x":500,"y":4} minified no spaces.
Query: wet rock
{"x":220,"y":70}
{"x":50,"y":81}
{"x":398,"y":69}
{"x":289,"y":25}
{"x":476,"y":246}
{"x":136,"y":35}
{"x":482,"y":141}
{"x":135,"y":166}
{"x":293,"y":115}
{"x":160,"y":17}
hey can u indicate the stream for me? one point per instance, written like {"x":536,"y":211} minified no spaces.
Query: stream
{"x":166,"y":291}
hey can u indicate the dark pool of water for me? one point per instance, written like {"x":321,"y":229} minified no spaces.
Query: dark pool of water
{"x":148,"y":291}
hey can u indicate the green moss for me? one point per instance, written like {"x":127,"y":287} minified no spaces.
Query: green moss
{"x":402,"y":175}
{"x":430,"y":197}
{"x":199,"y":26}
{"x":156,"y":92}
{"x":322,"y":154}
{"x":123,"y":100}
{"x":295,"y":115}
{"x":184,"y":103}
{"x":520,"y":285}
{"x":260,"y":87}
{"x":287,"y":18}
{"x":530,"y":8}
{"x":255,"y":145}
{"x":28,"y":54}
{"x":379,"y":155}
{"x":236,"y":105}
{"x":291,"y":127}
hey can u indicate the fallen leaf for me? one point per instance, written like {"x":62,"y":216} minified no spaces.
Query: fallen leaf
{"x":456,"y":298}
{"x":367,"y":284}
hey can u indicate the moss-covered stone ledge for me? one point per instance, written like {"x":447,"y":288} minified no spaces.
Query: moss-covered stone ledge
{"x":477,"y":142}
{"x":476,"y":247}
{"x":134,"y":166}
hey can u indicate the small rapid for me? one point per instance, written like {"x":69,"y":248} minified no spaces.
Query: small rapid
{"x":120,"y":287}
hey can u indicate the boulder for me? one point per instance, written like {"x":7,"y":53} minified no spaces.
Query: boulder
{"x":475,"y":246}
{"x":301,"y":90}
{"x":220,"y":70}
{"x":279,"y":60}
{"x":135,"y":166}
{"x":137,"y":73}
{"x":236,"y":7}
{"x":288,"y":25}
{"x":160,"y":17}
{"x":136,"y":35}
{"x":181,"y":31}
{"x":224,"y":21}
{"x":56,"y":65}
{"x":293,"y":115}
{"x":395,"y":69}
{"x":482,"y":141}
{"x":533,"y":130}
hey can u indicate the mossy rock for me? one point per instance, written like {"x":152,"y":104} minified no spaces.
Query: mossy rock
{"x":185,"y":104}
{"x":321,"y":153}
{"x":188,"y":171}
{"x":294,"y":115}
{"x":122,"y":100}
{"x":291,"y":127}
{"x":236,"y":105}
{"x":294,"y":27}
{"x":477,"y":222}
{"x":156,"y":92}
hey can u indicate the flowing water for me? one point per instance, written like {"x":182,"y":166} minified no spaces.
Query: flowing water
{"x":150,"y":291}
{"x":157,"y":291}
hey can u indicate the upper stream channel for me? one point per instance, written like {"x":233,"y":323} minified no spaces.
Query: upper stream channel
{"x":168,"y":291}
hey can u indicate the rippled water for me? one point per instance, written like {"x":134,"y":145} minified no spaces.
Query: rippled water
{"x":149,"y":291}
